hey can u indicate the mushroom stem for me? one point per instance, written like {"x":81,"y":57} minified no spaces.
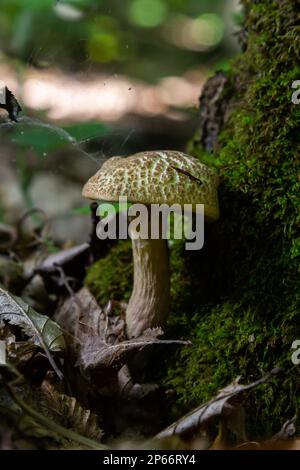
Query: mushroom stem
{"x":150,"y":299}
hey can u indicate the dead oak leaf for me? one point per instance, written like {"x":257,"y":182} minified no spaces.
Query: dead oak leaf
{"x":96,"y":354}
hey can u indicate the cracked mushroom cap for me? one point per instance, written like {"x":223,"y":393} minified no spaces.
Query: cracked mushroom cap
{"x":166,"y":177}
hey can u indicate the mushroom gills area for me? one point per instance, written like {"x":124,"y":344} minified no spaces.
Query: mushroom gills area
{"x":150,"y":299}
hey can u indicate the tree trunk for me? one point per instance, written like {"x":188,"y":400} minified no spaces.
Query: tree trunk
{"x":250,"y":129}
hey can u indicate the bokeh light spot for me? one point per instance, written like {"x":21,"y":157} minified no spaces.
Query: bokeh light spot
{"x":207,"y":30}
{"x":147,"y":13}
{"x":104,"y":47}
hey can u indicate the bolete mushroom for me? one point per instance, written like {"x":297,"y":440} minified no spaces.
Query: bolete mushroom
{"x":161,"y":177}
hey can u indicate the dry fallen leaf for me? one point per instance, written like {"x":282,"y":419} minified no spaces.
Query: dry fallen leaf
{"x":39,"y":328}
{"x":98,"y":355}
{"x":70,"y":413}
{"x":97,"y":340}
{"x":82,"y":317}
{"x":220,"y":406}
{"x":63,"y":257}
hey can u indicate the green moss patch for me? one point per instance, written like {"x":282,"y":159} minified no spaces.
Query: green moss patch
{"x":250,"y":325}
{"x":111,"y":276}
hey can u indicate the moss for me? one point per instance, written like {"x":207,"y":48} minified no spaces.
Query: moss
{"x":229,"y":341}
{"x":238,"y":299}
{"x":111,"y":276}
{"x":255,"y":273}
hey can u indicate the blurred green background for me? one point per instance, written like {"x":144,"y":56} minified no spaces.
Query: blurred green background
{"x":97,"y":78}
{"x":141,"y":38}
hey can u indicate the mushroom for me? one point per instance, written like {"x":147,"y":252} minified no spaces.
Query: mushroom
{"x":160,"y":177}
